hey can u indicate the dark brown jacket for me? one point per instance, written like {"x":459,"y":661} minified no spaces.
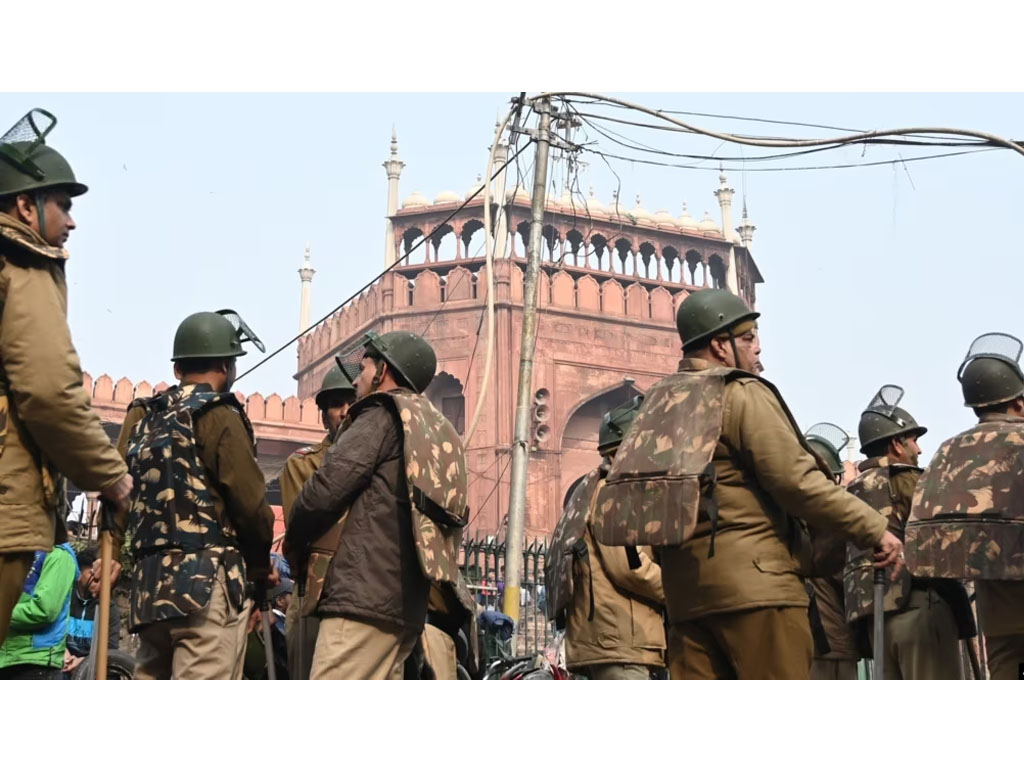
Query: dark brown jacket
{"x":375,"y":574}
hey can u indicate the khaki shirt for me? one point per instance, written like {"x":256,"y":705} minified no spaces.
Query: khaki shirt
{"x":237,"y":483}
{"x":47,"y":425}
{"x":766,"y":477}
{"x":298,"y":468}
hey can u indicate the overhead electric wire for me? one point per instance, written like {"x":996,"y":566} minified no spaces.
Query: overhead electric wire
{"x":381,"y":274}
{"x":674,"y":129}
{"x":838,"y":166}
{"x":602,"y":101}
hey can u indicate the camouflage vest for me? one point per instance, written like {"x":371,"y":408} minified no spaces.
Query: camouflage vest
{"x":967,"y":520}
{"x":568,"y":545}
{"x":176,"y":537}
{"x":873,"y":487}
{"x":435,"y":473}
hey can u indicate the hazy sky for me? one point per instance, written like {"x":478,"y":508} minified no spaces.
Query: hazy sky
{"x":206,"y":201}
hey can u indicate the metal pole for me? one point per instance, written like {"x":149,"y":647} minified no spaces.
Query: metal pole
{"x":878,"y":651}
{"x":102,"y":634}
{"x":521,"y":436}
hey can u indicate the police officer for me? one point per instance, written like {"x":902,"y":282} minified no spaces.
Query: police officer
{"x":398,"y":468}
{"x":835,"y":648}
{"x":718,"y":478}
{"x":200,"y":526}
{"x":47,"y":426}
{"x":921,"y":632}
{"x":966,"y":521}
{"x":334,"y":398}
{"x":609,"y":599}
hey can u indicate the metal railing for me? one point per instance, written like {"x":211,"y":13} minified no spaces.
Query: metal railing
{"x":483,"y":565}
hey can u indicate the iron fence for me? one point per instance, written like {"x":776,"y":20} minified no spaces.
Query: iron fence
{"x":483,"y":565}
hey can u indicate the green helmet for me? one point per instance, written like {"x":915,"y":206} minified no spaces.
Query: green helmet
{"x":827,"y":440}
{"x":214,"y":335}
{"x":409,"y":355}
{"x":991,"y":374}
{"x":334,"y":381}
{"x":616,"y":424}
{"x":709,"y":312}
{"x":27,"y":164}
{"x":883,"y":420}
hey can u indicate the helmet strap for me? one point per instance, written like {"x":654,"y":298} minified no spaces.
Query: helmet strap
{"x":40,"y":216}
{"x":735,"y":354}
{"x":378,"y":376}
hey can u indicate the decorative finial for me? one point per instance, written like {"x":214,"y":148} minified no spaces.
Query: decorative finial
{"x":638,"y":201}
{"x":591,"y":190}
{"x":685,"y":212}
{"x":394,"y":142}
{"x":307,"y":252}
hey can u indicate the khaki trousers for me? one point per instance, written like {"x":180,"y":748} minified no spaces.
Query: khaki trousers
{"x":921,"y":641}
{"x":617,"y":672}
{"x":1005,"y":655}
{"x":13,"y":570}
{"x":833,"y":669}
{"x":439,"y":650}
{"x":208,"y":645}
{"x":350,"y":649}
{"x":310,"y":627}
{"x":759,"y":644}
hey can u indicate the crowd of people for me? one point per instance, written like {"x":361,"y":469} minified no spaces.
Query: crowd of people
{"x":688,"y":552}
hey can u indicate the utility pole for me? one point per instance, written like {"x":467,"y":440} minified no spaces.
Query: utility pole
{"x":521,"y":436}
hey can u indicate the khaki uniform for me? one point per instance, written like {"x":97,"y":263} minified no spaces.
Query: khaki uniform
{"x":1001,"y":614}
{"x":1001,"y":610}
{"x":840,"y":662}
{"x":921,"y":639}
{"x":615,"y":628}
{"x":211,"y":643}
{"x":747,"y":616}
{"x":299,"y":467}
{"x":439,"y":650}
{"x":47,"y":425}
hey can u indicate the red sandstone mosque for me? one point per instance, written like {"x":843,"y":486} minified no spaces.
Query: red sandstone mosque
{"x":610,"y":283}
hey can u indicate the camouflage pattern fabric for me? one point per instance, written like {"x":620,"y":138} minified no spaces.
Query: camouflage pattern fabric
{"x":874,"y":489}
{"x":18,"y":237}
{"x":571,"y":527}
{"x":967,"y":519}
{"x":658,"y":482}
{"x":177,"y":540}
{"x":435,"y":469}
{"x":318,"y":563}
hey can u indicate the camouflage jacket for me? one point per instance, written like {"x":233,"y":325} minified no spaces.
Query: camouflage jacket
{"x":967,"y":520}
{"x":178,"y":539}
{"x":888,"y":488}
{"x":662,"y":476}
{"x":568,"y":544}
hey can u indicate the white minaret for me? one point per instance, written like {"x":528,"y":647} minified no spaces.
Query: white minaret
{"x":724,"y":194}
{"x":746,"y":229}
{"x":394,"y":167}
{"x":306,"y":273}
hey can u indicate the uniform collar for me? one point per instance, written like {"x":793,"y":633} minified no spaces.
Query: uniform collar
{"x":987,"y":418}
{"x":26,"y":238}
